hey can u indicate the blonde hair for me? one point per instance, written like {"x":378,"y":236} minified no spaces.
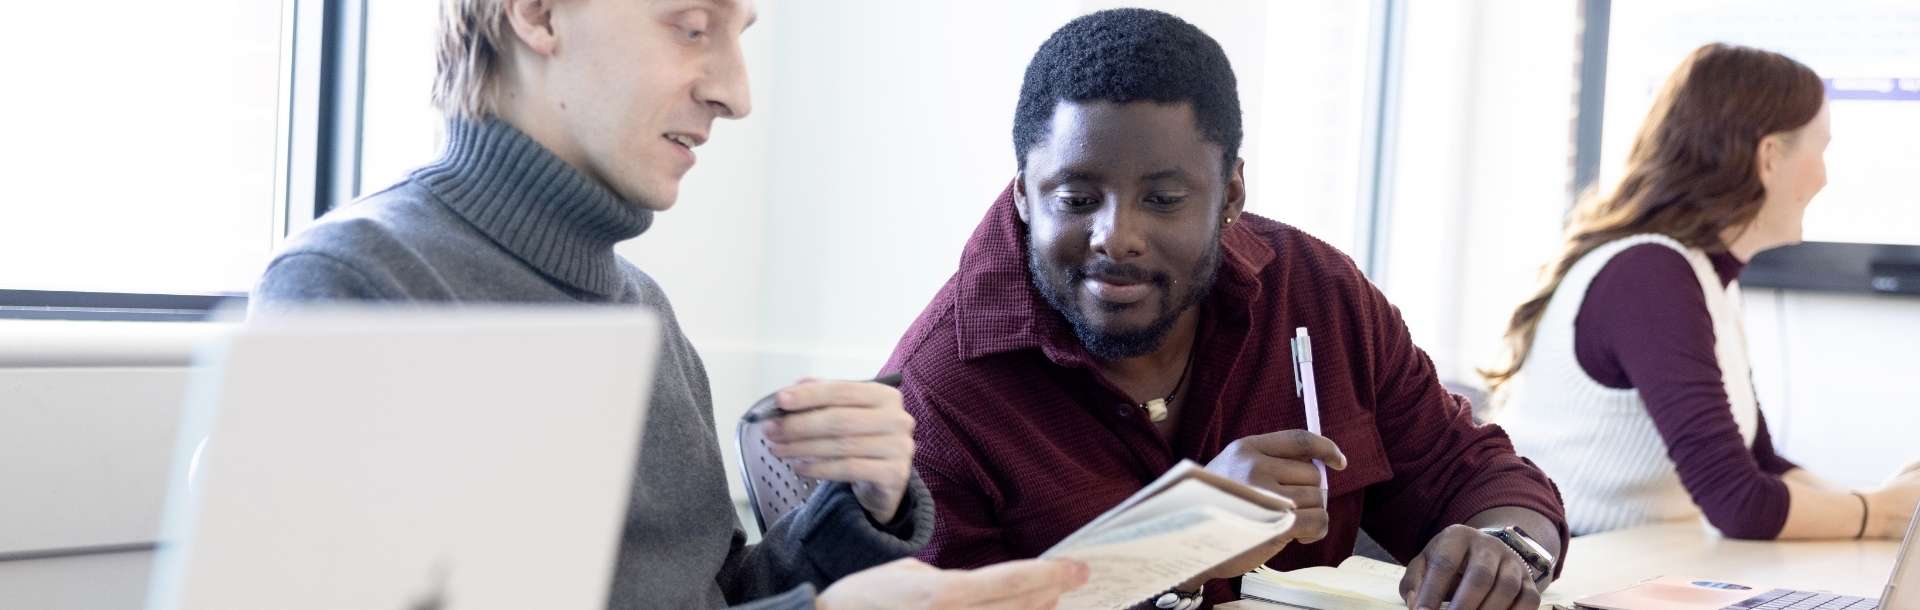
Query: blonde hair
{"x":471,"y":51}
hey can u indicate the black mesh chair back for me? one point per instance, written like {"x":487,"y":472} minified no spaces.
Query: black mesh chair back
{"x":773,"y":488}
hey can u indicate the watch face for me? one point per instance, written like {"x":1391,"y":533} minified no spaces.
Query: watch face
{"x":1535,"y":556}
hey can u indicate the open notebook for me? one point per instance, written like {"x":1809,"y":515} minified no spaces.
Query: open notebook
{"x":1358,"y":584}
{"x":1184,"y":523}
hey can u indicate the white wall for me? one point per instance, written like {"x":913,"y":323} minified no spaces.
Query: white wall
{"x":1839,"y":378}
{"x":887,"y":146}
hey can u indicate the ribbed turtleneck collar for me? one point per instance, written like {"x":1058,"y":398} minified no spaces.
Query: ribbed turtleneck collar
{"x":549,"y":214}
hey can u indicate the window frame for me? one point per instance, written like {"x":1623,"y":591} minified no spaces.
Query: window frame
{"x":1380,"y":138}
{"x":113,"y":306}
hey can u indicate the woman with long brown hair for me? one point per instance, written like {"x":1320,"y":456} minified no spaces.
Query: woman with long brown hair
{"x":1627,"y":376}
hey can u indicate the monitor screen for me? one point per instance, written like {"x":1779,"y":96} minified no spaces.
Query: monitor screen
{"x":1868,"y":51}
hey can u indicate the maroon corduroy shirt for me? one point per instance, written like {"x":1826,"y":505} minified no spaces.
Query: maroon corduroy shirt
{"x":1021,"y":442}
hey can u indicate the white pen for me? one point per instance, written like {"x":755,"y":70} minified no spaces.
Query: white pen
{"x":1304,"y":389}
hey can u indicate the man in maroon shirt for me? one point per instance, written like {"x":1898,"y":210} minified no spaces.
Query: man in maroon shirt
{"x":1118,"y":269}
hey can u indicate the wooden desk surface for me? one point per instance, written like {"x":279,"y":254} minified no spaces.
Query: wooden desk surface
{"x":1613,"y":560}
{"x":1618,"y":559}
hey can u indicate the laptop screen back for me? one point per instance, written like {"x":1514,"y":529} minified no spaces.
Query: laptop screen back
{"x":408,"y":458}
{"x":1903,"y":586}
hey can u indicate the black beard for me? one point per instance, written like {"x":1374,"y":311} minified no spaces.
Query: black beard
{"x":1117,"y":345}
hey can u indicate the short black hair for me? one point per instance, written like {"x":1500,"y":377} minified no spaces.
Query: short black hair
{"x":1127,"y":55}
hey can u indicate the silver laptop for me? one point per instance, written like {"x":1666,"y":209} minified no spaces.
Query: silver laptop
{"x":408,"y":459}
{"x":1896,"y":595}
{"x":1899,"y":594}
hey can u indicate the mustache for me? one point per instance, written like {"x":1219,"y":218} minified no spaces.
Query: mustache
{"x":1117,"y":272}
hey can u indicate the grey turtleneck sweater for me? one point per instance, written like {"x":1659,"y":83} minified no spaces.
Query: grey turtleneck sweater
{"x":499,"y":219}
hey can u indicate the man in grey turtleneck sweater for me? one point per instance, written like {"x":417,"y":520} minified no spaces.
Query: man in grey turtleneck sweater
{"x":570,"y":124}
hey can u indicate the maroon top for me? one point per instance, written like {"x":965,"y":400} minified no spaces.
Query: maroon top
{"x":1021,"y":442}
{"x":1644,"y":324}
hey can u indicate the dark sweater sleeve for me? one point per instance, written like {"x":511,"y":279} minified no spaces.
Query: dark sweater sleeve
{"x":824,"y":540}
{"x":1645,"y":322}
{"x":1446,"y":468}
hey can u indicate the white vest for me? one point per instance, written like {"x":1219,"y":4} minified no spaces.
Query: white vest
{"x":1598,"y":443}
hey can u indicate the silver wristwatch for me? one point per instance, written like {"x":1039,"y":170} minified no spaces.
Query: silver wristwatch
{"x":1175,"y":599}
{"x":1539,"y":562}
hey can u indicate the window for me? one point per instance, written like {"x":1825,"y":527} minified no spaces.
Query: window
{"x":1309,"y":160}
{"x":142,"y":144}
{"x":1484,"y":144}
{"x":397,"y":113}
{"x":200,"y":139}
